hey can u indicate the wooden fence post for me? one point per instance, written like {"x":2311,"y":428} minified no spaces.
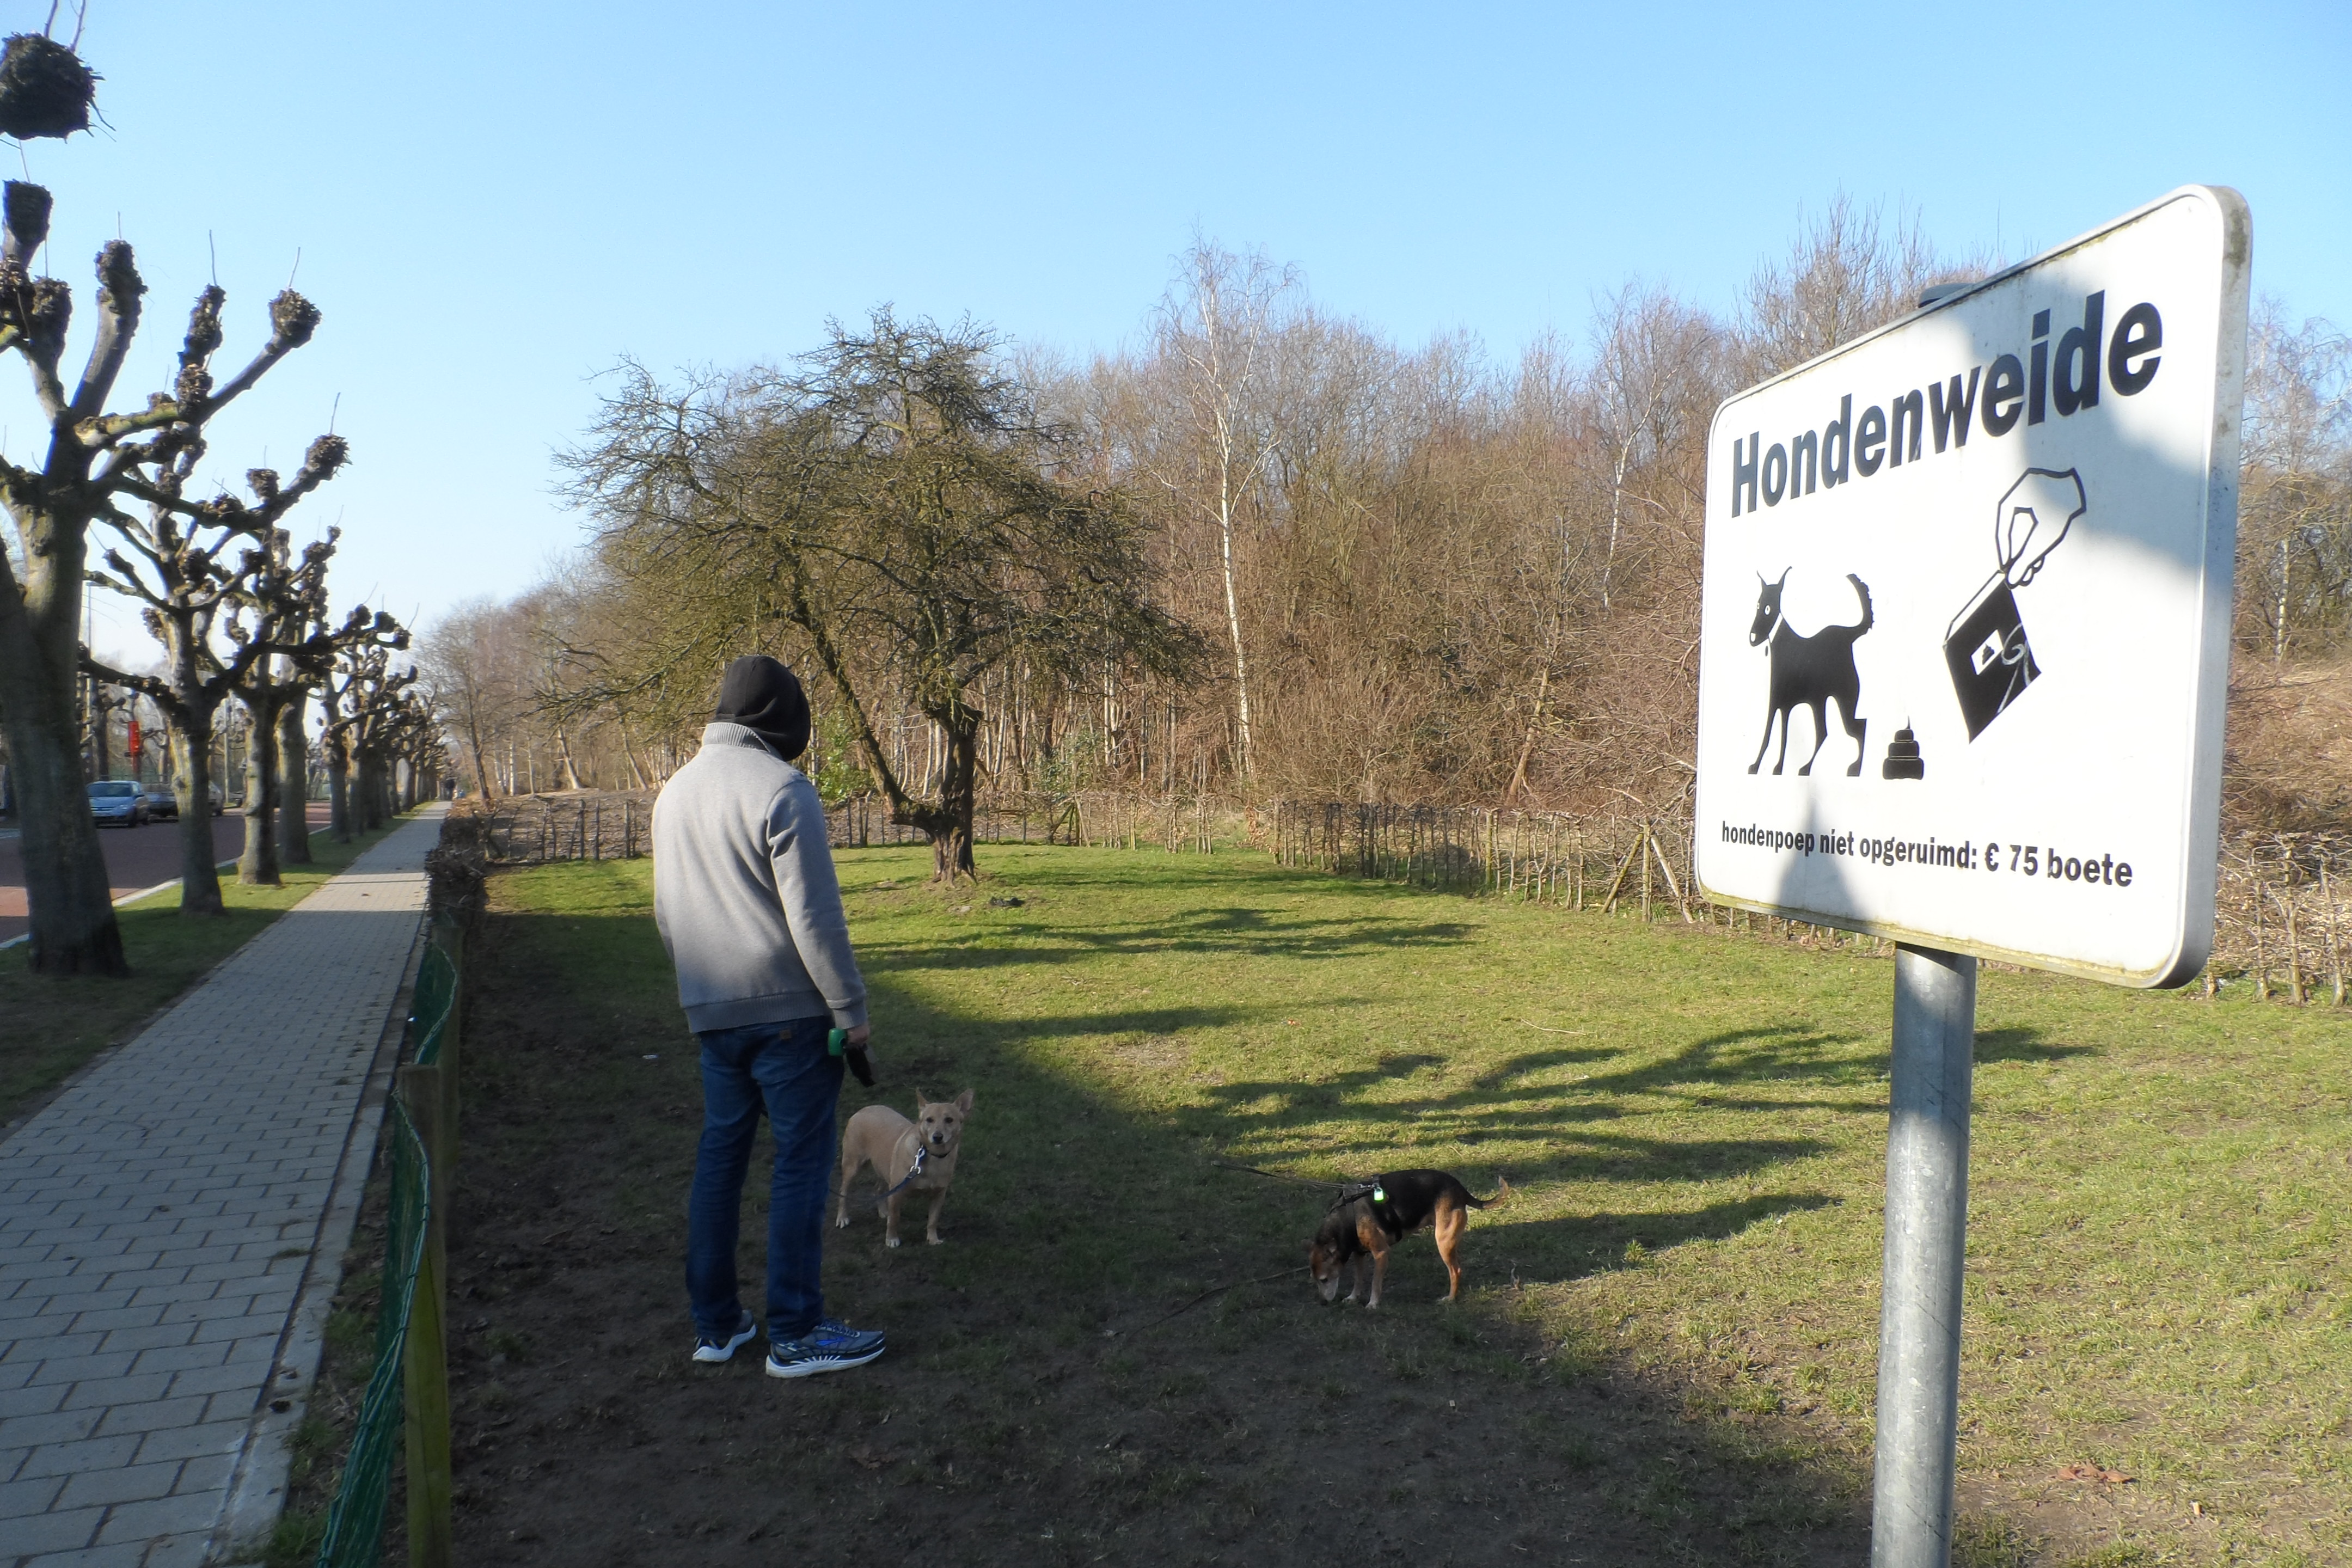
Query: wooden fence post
{"x":1674,"y":886}
{"x":425,"y":1372}
{"x":2294,"y":948}
{"x":1643,"y":850}
{"x":2261,"y":965}
{"x":1609,"y":901}
{"x":2335,"y":952}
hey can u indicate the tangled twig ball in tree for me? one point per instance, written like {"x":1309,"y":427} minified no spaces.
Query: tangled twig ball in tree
{"x":45,"y":90}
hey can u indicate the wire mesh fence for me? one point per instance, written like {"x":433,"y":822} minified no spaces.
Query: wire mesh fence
{"x":355,"y":1532}
{"x":356,"y":1521}
{"x":430,"y":1005}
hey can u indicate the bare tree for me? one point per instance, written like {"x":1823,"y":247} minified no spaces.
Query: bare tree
{"x":94,"y":461}
{"x":1848,"y":273}
{"x":1218,"y":323}
{"x":2294,"y":532}
{"x":287,"y":602}
{"x":463,"y":658}
{"x":367,"y":707}
{"x":894,"y":511}
{"x":177,"y":567}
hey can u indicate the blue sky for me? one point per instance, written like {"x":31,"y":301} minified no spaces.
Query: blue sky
{"x":494,"y":203}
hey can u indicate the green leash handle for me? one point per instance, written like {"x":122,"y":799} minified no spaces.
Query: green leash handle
{"x":836,"y":1044}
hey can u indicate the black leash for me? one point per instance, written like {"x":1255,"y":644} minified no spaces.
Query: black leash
{"x":922,"y":1153}
{"x":1217,"y":1290}
{"x":1276,"y":1175}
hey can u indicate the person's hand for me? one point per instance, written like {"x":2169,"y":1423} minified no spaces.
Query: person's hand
{"x":856,"y":1040}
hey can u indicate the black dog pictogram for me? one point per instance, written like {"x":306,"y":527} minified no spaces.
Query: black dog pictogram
{"x":1809,"y":672}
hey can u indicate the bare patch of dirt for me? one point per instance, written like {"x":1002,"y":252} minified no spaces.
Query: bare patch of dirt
{"x":1037,"y":1405}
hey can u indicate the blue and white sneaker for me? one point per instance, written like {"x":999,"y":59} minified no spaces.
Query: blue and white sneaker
{"x":722,"y":1347}
{"x":831,"y":1346}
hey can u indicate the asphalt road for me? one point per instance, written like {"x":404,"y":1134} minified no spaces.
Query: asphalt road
{"x":136,"y":859}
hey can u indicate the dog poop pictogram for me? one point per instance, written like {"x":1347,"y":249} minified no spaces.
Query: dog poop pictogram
{"x":1903,"y":759}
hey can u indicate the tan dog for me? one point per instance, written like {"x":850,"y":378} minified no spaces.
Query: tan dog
{"x":880,"y":1137}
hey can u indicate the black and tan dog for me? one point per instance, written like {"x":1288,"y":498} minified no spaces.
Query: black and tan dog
{"x":1372,"y":1216}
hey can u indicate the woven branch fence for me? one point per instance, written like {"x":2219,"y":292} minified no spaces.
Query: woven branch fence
{"x":2283,"y":915}
{"x":617,"y":825}
{"x":586,"y":824}
{"x":2283,"y":912}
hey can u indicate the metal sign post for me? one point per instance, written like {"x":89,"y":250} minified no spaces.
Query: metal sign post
{"x":1926,"y":1242}
{"x":1963,"y":667}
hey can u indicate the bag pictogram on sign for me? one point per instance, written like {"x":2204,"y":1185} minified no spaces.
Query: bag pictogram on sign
{"x":1986,"y":648}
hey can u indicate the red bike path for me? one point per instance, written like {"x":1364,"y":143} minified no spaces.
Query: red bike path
{"x":137,"y":858}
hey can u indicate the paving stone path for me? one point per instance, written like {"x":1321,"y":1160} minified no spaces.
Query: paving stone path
{"x":172,"y":1225}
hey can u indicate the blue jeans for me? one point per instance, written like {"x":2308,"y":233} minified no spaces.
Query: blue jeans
{"x":783,"y":1068}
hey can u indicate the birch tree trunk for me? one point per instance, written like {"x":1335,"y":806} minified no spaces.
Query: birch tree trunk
{"x":1233,"y":622}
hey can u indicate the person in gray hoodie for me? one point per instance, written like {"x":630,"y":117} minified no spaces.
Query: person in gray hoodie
{"x":746,"y":902}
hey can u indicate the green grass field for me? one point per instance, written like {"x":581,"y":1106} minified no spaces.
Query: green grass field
{"x":53,"y":1026}
{"x":1695,"y":1121}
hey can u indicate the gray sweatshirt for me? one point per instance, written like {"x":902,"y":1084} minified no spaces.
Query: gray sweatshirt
{"x":744,"y":890}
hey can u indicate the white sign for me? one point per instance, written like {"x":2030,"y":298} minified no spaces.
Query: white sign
{"x":1964,"y":647}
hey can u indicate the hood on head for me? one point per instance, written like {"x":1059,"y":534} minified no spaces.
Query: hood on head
{"x":758,"y":693}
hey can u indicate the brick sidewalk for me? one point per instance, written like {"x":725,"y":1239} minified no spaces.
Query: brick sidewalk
{"x":157,"y":1224}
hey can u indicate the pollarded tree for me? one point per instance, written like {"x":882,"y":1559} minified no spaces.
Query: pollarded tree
{"x":320,"y":646}
{"x":179,"y":565}
{"x":408,"y":731}
{"x":285,"y":611}
{"x":339,"y":697}
{"x":99,"y":705}
{"x":418,"y":750}
{"x":364,"y":706}
{"x":93,"y":463}
{"x":897,"y":507}
{"x":286,"y":599}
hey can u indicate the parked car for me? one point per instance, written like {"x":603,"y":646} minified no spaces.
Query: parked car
{"x":212,"y":793}
{"x":116,"y":801}
{"x":162,"y":804}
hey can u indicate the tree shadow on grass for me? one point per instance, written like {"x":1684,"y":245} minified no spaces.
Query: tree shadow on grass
{"x":1517,"y":1114}
{"x":2024,"y":1044}
{"x":1013,"y":942}
{"x":1573,"y":1246}
{"x":1045,"y":1399}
